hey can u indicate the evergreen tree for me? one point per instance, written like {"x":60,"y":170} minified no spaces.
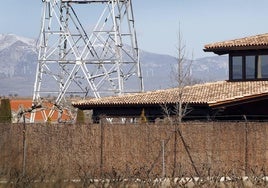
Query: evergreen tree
{"x":143,"y":118}
{"x":5,"y":111}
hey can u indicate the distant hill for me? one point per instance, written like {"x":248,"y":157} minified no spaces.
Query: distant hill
{"x":158,"y":69}
{"x":18,"y":59}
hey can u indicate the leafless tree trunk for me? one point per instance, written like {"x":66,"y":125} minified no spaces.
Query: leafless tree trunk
{"x":182,"y":78}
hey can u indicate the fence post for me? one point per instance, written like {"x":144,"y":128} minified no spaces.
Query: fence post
{"x":24,"y":147}
{"x":101,"y":146}
{"x":246,"y":146}
{"x":163,"y":159}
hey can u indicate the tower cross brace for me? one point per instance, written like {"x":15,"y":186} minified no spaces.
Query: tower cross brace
{"x":88,"y":55}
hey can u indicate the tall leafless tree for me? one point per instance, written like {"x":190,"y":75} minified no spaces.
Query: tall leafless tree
{"x":182,"y":77}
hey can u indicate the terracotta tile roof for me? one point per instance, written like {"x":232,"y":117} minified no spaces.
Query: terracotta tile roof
{"x":27,"y":103}
{"x":251,"y":42}
{"x":204,"y":94}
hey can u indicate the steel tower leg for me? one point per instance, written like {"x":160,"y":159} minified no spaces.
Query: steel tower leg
{"x":90,"y":55}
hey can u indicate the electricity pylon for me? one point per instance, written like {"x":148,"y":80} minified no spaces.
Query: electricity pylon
{"x":86,"y":48}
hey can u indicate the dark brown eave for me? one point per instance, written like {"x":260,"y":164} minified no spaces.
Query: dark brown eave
{"x":228,"y":50}
{"x":84,"y":106}
{"x":238,"y":101}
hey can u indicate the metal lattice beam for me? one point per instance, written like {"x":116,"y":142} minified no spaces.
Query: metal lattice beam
{"x":86,"y":61}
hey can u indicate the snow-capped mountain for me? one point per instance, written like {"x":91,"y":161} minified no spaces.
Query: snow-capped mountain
{"x":7,"y":40}
{"x":18,"y":60}
{"x":17,"y":56}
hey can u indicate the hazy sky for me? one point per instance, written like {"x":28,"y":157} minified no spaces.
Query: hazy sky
{"x":158,"y":22}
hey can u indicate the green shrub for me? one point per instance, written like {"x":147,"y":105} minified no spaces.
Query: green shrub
{"x":143,"y":118}
{"x":5,"y":111}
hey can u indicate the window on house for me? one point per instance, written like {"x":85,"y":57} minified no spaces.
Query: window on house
{"x":263,"y":66}
{"x":237,"y":67}
{"x":250,"y":67}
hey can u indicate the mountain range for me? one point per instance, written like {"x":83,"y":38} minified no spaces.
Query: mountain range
{"x":18,"y":60}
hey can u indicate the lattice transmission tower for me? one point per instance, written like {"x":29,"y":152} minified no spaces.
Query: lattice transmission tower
{"x":86,"y":48}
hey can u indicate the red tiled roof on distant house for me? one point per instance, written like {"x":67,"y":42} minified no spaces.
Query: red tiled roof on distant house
{"x":257,"y":42}
{"x":210,"y":94}
{"x":16,"y":104}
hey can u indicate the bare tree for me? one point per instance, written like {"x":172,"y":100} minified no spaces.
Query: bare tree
{"x":183,"y":77}
{"x":180,"y":109}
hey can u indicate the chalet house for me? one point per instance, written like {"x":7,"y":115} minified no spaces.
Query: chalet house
{"x":243,"y":96}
